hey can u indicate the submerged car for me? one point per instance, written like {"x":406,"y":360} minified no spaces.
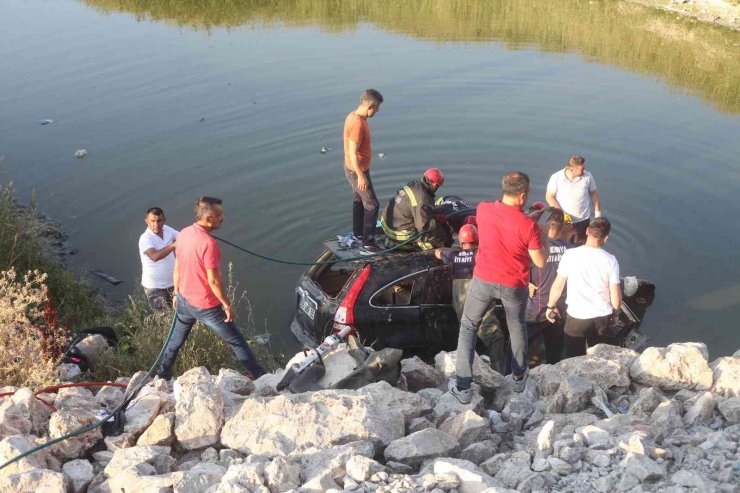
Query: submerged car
{"x":404,"y":300}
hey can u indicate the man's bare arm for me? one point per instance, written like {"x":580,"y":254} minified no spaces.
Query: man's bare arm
{"x":157,"y":255}
{"x":551,"y":200}
{"x":596,"y":202}
{"x":175,"y":284}
{"x":539,"y":257}
{"x":355,"y":164}
{"x":216,"y":285}
{"x":615,"y":295}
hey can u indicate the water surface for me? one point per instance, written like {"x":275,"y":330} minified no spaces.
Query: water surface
{"x":176,"y":99}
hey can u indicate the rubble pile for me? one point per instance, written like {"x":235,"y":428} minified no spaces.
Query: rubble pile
{"x":613,"y":420}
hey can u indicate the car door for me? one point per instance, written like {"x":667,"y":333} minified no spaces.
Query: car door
{"x":438,"y":318}
{"x":394,"y":311}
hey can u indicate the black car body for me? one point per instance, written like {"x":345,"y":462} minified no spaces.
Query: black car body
{"x":405,"y":302}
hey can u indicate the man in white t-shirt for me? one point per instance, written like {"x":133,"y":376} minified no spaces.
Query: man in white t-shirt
{"x":594,"y":296}
{"x":573,"y":189}
{"x":156,"y":248}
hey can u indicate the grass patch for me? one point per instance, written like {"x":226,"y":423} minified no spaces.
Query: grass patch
{"x":42,"y":304}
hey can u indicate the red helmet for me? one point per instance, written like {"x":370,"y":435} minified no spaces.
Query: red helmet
{"x":468,"y":234}
{"x":435,"y":176}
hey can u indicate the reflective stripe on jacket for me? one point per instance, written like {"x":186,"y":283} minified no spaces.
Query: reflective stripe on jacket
{"x":409,"y":212}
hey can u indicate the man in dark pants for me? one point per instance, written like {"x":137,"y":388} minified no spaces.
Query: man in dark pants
{"x":199,"y":292}
{"x":594,"y":294}
{"x":540,"y":282}
{"x":358,"y":153}
{"x":508,"y":241}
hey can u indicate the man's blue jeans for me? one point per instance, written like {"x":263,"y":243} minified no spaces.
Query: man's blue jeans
{"x":215,"y":319}
{"x":481,"y":296}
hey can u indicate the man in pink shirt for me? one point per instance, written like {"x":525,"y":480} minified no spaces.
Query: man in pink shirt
{"x":199,"y":293}
{"x":507,"y":241}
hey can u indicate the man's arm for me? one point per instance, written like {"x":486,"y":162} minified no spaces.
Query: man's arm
{"x":355,"y":164}
{"x":551,"y":200}
{"x":596,"y":202}
{"x":424,"y":217}
{"x":539,"y":257}
{"x":615,"y":295}
{"x":214,"y":282}
{"x":157,"y":255}
{"x":175,"y":284}
{"x":555,"y":291}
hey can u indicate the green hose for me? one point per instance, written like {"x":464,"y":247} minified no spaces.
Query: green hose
{"x":100,"y":422}
{"x":329,"y":262}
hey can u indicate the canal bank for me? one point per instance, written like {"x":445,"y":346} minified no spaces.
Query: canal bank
{"x":725,"y":13}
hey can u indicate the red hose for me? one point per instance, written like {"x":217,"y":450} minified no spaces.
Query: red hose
{"x":65,"y":386}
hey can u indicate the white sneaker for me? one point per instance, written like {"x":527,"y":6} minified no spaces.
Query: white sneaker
{"x":463,"y":396}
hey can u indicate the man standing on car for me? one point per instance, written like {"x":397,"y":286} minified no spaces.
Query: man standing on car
{"x":573,"y":189}
{"x":462,"y":262}
{"x":358,"y":153}
{"x":199,"y":292}
{"x":411,"y":211}
{"x":508,"y":240}
{"x":156,"y":249}
{"x":594,"y":296}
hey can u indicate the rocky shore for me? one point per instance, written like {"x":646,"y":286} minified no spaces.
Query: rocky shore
{"x":614,"y":420}
{"x":724,"y":13}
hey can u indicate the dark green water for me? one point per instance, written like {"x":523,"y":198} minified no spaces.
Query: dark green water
{"x":176,"y":99}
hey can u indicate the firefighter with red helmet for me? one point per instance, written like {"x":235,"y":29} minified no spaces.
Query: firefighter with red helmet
{"x":462,"y":262}
{"x":411,"y":211}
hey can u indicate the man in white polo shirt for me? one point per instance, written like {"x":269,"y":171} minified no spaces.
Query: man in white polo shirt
{"x":573,"y":189}
{"x":594,"y":294}
{"x":156,"y":248}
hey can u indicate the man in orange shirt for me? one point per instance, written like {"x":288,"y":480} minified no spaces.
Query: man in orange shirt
{"x":358,"y":152}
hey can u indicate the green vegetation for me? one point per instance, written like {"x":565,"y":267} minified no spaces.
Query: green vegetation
{"x":42,"y":304}
{"x":700,"y":58}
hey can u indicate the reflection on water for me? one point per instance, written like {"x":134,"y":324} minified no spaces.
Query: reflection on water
{"x":700,"y":58}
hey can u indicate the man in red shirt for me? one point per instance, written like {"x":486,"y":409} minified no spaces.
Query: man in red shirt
{"x":199,"y":293}
{"x":507,"y":241}
{"x":358,"y":152}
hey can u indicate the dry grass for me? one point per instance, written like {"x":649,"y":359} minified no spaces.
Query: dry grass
{"x":30,"y":347}
{"x":142,"y":333}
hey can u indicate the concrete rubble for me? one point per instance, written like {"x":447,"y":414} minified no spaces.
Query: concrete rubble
{"x":673,"y":426}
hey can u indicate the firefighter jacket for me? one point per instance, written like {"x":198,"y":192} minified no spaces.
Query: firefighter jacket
{"x":411,"y":211}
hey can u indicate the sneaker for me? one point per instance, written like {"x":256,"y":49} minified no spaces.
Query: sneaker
{"x":521,"y":383}
{"x":369,"y":250}
{"x":463,"y":396}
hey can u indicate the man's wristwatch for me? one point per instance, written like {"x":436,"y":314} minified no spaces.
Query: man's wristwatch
{"x":551,"y":307}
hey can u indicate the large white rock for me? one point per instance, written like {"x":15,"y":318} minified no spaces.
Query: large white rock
{"x":160,"y":432}
{"x":33,"y":480}
{"x":726,"y":373}
{"x":134,"y":456}
{"x":576,"y":392}
{"x":467,"y":428}
{"x":63,"y":422}
{"x":730,"y":409}
{"x":681,"y":365}
{"x":109,"y":397}
{"x":420,"y":375}
{"x":643,"y":467}
{"x":545,"y":439}
{"x":362,"y":468}
{"x":92,"y":347}
{"x":278,"y":425}
{"x":488,"y":379}
{"x":12,"y":446}
{"x":233,"y":381}
{"x":79,"y":474}
{"x":76,"y":399}
{"x":472,"y":479}
{"x":320,"y":464}
{"x":426,"y":444}
{"x":448,"y":406}
{"x":248,"y":475}
{"x":605,"y":365}
{"x":283,"y":475}
{"x":140,"y":413}
{"x":197,"y":479}
{"x":699,"y":409}
{"x":199,"y":409}
{"x":23,"y":414}
{"x":142,"y":479}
